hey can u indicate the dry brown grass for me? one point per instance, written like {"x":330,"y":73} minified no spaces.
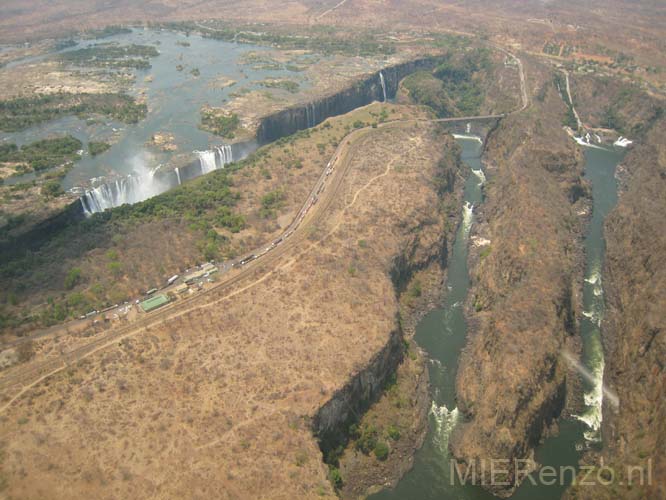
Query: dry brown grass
{"x":215,"y":402}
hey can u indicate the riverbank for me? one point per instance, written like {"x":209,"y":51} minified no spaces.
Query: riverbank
{"x":400,"y":416}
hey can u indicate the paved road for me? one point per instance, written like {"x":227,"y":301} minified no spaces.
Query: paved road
{"x":259,"y":264}
{"x":32,"y":373}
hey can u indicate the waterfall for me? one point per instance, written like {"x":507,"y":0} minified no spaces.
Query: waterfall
{"x":381,"y":80}
{"x":225,"y":155}
{"x":140,"y":185}
{"x":445,"y":422}
{"x":143,"y":183}
{"x":214,"y":159}
{"x":468,"y":214}
{"x":207,"y":161}
{"x":310,"y":115}
{"x":126,"y":190}
{"x":480,"y":175}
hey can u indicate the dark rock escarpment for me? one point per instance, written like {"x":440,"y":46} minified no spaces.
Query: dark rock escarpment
{"x":362,"y":92}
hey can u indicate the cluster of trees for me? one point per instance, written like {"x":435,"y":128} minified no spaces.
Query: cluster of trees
{"x":224,"y":125}
{"x":318,"y":39}
{"x":111,"y":55}
{"x":107,"y":31}
{"x":23,"y":112}
{"x":455,"y":86}
{"x":288,"y":85}
{"x":270,"y":202}
{"x":43,"y":154}
{"x":96,"y":148}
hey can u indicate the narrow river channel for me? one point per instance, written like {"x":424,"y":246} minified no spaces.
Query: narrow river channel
{"x":442,"y":334}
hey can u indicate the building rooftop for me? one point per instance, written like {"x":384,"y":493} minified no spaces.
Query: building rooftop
{"x":154,"y":302}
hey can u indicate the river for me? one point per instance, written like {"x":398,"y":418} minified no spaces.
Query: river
{"x":442,"y":334}
{"x":174,"y":96}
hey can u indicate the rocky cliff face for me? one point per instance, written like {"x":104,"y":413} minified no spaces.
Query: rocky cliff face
{"x":331,"y":421}
{"x":511,"y":380}
{"x":363,"y":92}
{"x":635,"y":327}
{"x":425,"y":243}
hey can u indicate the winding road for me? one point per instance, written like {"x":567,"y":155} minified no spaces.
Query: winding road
{"x":266,"y":261}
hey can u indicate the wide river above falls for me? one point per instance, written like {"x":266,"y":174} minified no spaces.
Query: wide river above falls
{"x":189,"y":73}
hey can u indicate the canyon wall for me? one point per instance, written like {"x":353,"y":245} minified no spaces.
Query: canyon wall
{"x":511,"y":381}
{"x":360,"y":93}
{"x":635,"y":284}
{"x":426,"y":243}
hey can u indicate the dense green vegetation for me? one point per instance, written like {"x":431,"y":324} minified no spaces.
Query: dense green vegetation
{"x":455,"y":86}
{"x":322,"y":39}
{"x":570,"y":117}
{"x":95,"y":148}
{"x":107,"y":31}
{"x":424,"y":88}
{"x":222,"y":125}
{"x":270,"y":202}
{"x":111,"y":55}
{"x":52,"y":189}
{"x":42,"y":154}
{"x":23,"y":112}
{"x":193,"y":200}
{"x":206,"y":204}
{"x":65,"y":44}
{"x":615,"y":116}
{"x":288,"y":85}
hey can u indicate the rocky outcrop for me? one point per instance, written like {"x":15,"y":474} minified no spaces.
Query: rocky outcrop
{"x":511,"y":381}
{"x":362,"y":92}
{"x":331,"y":422}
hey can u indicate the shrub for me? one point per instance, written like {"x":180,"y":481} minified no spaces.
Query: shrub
{"x":415,"y":289}
{"x":367,"y":440}
{"x":393,"y":432}
{"x":381,"y":450}
{"x":73,"y":278}
{"x":116,"y":268}
{"x":335,"y":477}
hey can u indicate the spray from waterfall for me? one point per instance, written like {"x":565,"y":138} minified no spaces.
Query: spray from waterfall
{"x":381,"y":80}
{"x":143,"y":183}
{"x":592,"y":415}
{"x":140,"y":185}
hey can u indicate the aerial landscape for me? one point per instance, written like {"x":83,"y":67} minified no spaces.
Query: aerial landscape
{"x":384,"y":249}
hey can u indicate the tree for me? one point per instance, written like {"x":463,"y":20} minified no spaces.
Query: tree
{"x":381,"y":450}
{"x":73,"y":278}
{"x":52,"y":189}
